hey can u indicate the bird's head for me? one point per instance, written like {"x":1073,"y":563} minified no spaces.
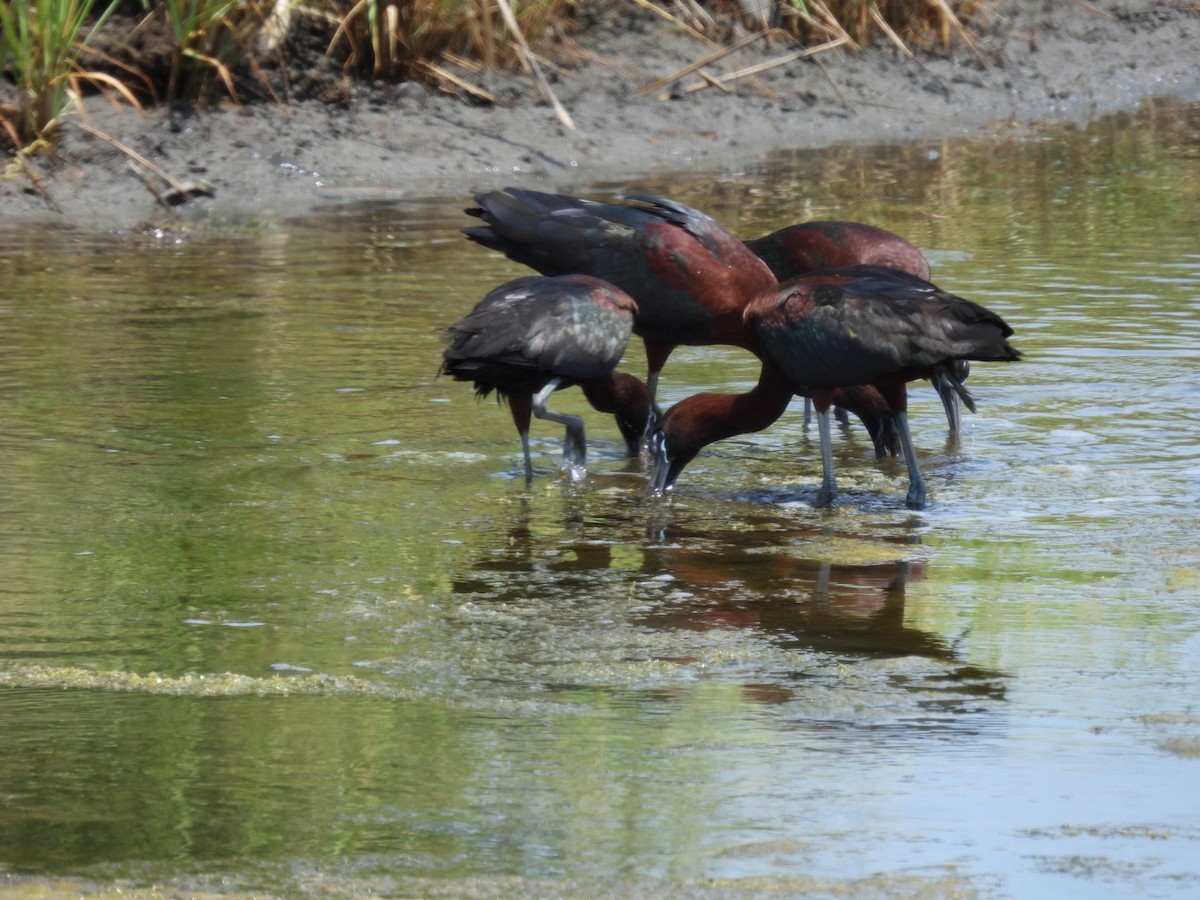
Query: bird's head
{"x":670,"y":452}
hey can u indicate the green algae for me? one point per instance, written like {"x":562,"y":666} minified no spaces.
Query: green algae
{"x":194,"y":684}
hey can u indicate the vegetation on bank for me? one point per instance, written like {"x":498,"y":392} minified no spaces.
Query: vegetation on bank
{"x":143,"y":52}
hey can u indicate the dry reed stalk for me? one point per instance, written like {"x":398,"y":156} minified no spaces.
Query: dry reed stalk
{"x":951,"y":20}
{"x":552,"y":66}
{"x":472,"y":89}
{"x":831,"y":24}
{"x":764,"y":66}
{"x":462,"y":62}
{"x":175,"y":185}
{"x":889,"y":31}
{"x":704,"y":22}
{"x":511,"y":21}
{"x":714,"y":81}
{"x":700,"y":36}
{"x":104,"y":82}
{"x":1095,"y":9}
{"x":343,"y":29}
{"x":9,"y":128}
{"x":700,"y":63}
{"x":35,"y":179}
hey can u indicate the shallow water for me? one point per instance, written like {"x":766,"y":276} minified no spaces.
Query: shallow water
{"x":279,"y":614}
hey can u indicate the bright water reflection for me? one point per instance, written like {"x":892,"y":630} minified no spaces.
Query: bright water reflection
{"x":277,"y":612}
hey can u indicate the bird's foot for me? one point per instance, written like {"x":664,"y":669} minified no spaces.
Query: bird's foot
{"x":574,"y":461}
{"x":575,"y":470}
{"x":825,"y":497}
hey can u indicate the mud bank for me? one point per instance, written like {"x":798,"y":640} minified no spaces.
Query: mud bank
{"x":1061,"y":61}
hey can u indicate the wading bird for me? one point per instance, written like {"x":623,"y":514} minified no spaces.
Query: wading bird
{"x":830,"y":330}
{"x":690,"y":277}
{"x":812,"y":246}
{"x":533,"y":336}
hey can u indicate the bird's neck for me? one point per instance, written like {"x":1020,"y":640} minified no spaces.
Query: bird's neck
{"x":700,"y":420}
{"x":626,"y":398}
{"x":614,"y":393}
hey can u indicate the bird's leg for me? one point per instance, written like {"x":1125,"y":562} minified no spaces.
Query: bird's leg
{"x":656,"y":357}
{"x":528,"y":461}
{"x":652,"y":387}
{"x":645,"y":446}
{"x":575,"y":443}
{"x":916,"y":484}
{"x":828,"y":489}
{"x":840,"y":414}
{"x":519,"y":404}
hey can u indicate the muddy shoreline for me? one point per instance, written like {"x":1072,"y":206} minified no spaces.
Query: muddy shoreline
{"x":1063,"y":62}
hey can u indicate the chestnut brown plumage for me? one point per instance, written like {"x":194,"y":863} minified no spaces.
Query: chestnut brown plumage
{"x":815,"y":246}
{"x":830,"y":330}
{"x":811,"y":246}
{"x":533,"y":336}
{"x":690,"y":277}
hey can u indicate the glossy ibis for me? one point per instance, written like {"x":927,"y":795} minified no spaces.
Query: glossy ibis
{"x":813,"y":246}
{"x":810,"y":246}
{"x":533,"y":336}
{"x":830,"y":330}
{"x":690,"y":277}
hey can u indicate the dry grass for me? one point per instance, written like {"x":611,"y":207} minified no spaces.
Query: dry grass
{"x":907,"y":23}
{"x":394,"y":40}
{"x":217,"y":47}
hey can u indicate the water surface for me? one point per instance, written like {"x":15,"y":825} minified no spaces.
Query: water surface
{"x":278,"y":612}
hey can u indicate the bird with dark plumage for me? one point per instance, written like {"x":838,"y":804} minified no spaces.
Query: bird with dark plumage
{"x":810,"y":246}
{"x":814,"y":246}
{"x":533,"y":336}
{"x":690,"y":277}
{"x":830,"y":330}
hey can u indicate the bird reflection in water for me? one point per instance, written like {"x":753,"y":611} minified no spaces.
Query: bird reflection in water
{"x":809,"y":603}
{"x":848,"y":603}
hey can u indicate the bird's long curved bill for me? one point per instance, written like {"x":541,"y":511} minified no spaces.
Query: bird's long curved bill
{"x":660,"y":467}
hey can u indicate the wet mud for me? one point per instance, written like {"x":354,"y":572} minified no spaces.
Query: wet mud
{"x":1034,"y":63}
